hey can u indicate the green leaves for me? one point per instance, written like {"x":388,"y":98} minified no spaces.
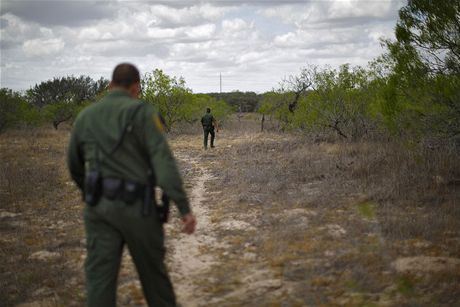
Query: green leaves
{"x":431,"y":29}
{"x":176,"y":102}
{"x":168,"y":94}
{"x":68,"y":89}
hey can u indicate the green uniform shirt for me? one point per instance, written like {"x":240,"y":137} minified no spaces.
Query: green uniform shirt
{"x":96,"y":132}
{"x":207,"y":120}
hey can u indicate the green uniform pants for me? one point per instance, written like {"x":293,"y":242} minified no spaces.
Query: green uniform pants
{"x":111,"y":224}
{"x":208,"y":131}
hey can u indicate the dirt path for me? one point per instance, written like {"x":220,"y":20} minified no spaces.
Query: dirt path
{"x":195,"y":261}
{"x":187,"y":260}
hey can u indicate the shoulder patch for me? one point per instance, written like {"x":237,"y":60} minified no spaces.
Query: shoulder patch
{"x":157,"y":122}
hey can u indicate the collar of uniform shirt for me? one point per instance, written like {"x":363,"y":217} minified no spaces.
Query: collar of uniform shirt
{"x":118,"y":92}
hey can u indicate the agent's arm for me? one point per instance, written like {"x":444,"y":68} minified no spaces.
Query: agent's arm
{"x":166,"y":172}
{"x":75,"y":160}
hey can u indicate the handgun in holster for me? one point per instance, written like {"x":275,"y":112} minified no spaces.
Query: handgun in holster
{"x":92,"y":190}
{"x":162,"y":208}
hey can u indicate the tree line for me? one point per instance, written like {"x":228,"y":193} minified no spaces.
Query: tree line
{"x":61,"y":99}
{"x":412,"y":90}
{"x":56,"y":101}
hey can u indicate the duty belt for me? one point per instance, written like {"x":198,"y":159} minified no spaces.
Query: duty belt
{"x":126,"y":190}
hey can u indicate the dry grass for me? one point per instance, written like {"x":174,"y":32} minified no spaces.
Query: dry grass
{"x":41,"y":213}
{"x":387,"y":198}
{"x":327,"y":219}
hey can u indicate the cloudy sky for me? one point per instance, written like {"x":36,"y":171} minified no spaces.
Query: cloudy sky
{"x":253,"y":44}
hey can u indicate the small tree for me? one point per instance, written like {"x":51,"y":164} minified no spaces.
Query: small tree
{"x":169,"y":94}
{"x":60,"y":98}
{"x":338,"y":101}
{"x":274,"y":105}
{"x":421,"y":94}
{"x":281,"y":103}
{"x":430,"y":30}
{"x":16,"y":111}
{"x":194,"y":111}
{"x":66,"y":90}
{"x":298,"y":85}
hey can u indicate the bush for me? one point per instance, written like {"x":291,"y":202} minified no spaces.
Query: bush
{"x":176,"y":103}
{"x":339,"y":101}
{"x":195,"y":110}
{"x":15,"y":111}
{"x":58,"y":113}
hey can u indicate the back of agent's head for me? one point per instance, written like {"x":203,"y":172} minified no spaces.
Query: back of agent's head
{"x":208,"y":110}
{"x":124,"y":75}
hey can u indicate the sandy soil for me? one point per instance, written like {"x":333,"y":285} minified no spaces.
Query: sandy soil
{"x":187,"y":261}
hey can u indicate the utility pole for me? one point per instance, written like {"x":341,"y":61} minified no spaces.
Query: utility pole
{"x":220,"y":82}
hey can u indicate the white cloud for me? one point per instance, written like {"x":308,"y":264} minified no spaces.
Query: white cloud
{"x":346,"y":13}
{"x":15,"y":30}
{"x":201,"y":32}
{"x":363,"y":8}
{"x":166,"y":16}
{"x":39,"y":47}
{"x":236,"y":24}
{"x":253,"y":44}
{"x":90,"y":34}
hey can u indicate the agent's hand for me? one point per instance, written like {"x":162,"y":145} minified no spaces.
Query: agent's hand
{"x":189,"y":223}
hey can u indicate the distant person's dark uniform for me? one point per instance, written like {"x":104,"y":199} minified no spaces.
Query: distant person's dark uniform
{"x":209,"y":128}
{"x":117,"y":152}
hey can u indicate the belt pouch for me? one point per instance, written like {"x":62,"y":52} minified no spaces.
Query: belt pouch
{"x":130,"y":192}
{"x":112,"y":187}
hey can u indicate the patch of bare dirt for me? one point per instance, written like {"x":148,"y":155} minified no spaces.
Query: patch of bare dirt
{"x":426,"y":264}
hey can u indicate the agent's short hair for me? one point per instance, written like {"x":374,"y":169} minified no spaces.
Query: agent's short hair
{"x":208,"y":110}
{"x":125,"y":75}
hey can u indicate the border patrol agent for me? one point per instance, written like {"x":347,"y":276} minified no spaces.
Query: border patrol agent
{"x":117,"y":153}
{"x":209,"y":123}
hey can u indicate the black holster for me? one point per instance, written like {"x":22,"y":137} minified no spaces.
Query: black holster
{"x":163,"y":209}
{"x":92,"y":191}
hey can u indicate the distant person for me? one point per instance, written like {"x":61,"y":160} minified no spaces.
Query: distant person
{"x":209,"y":124}
{"x":117,"y":153}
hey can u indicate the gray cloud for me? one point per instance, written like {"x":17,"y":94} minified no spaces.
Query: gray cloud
{"x":3,"y":23}
{"x":60,"y":13}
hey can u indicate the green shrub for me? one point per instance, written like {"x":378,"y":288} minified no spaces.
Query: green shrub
{"x":15,"y":111}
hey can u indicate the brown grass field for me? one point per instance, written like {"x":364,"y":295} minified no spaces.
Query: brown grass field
{"x":286,"y":220}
